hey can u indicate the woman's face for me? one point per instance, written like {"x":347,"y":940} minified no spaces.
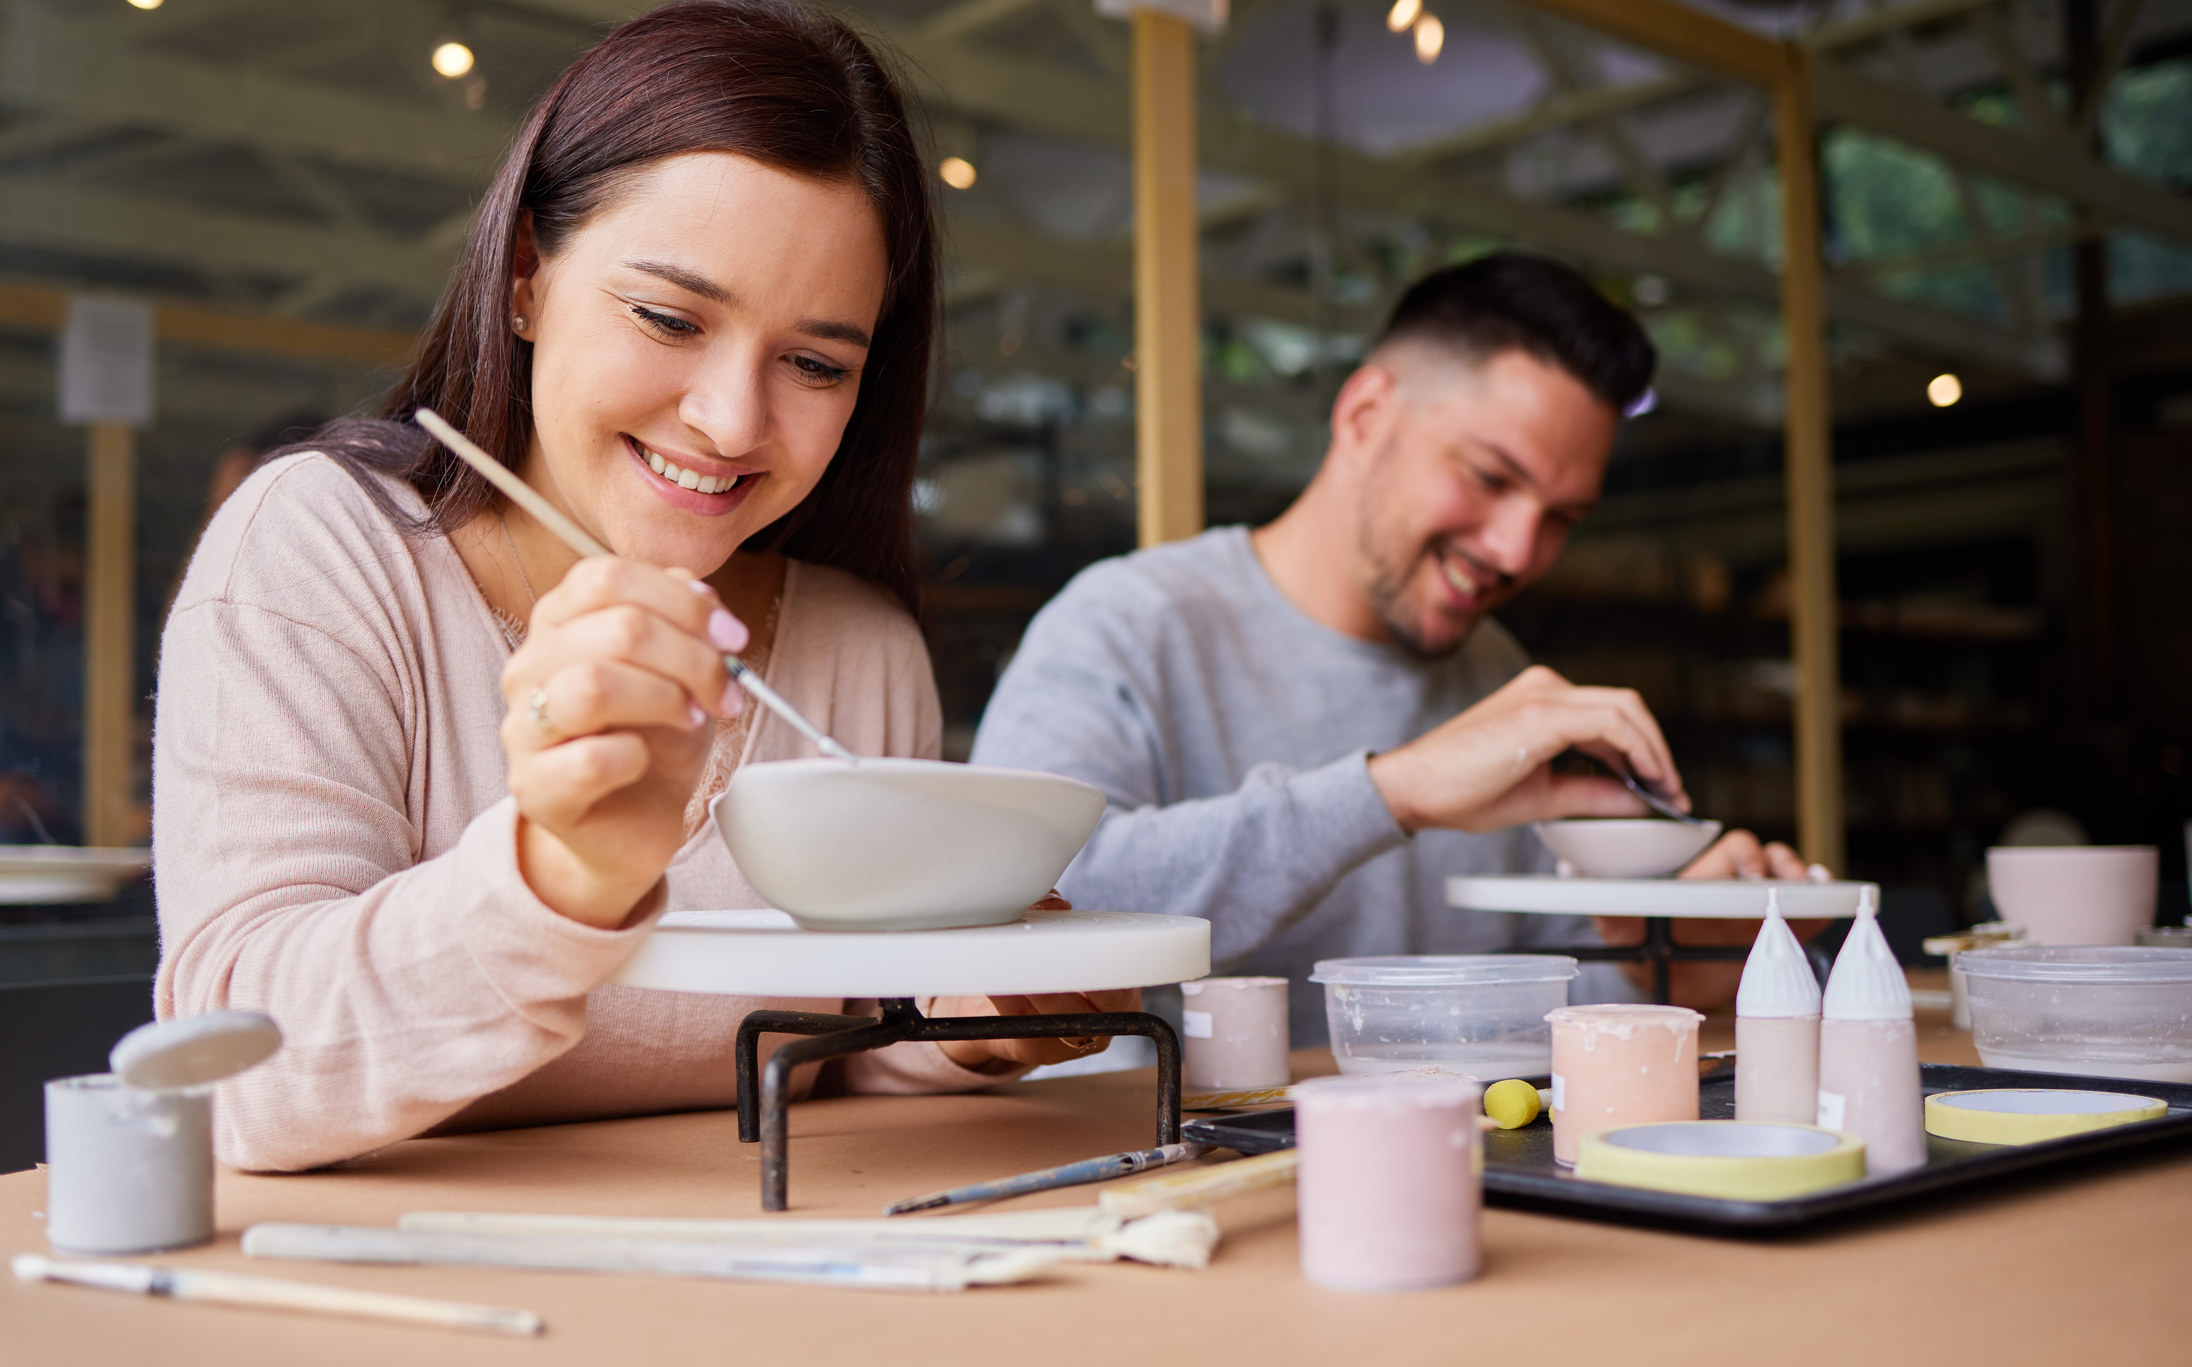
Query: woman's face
{"x":697,"y":351}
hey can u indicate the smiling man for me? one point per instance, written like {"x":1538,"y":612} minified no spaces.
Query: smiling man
{"x":1304,"y":729}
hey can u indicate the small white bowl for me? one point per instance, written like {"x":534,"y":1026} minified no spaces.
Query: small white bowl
{"x":902,"y":844}
{"x":1626,"y":847}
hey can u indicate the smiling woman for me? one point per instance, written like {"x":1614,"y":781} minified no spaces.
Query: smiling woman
{"x":422,"y":778}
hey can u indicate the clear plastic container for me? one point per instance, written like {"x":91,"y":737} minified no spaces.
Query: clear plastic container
{"x":2103,"y":1011}
{"x":1479,"y":1014}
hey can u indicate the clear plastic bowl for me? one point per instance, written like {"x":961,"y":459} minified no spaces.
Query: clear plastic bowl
{"x":1479,"y":1014}
{"x":2098,"y":1010}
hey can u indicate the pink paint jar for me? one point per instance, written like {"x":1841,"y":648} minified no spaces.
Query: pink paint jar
{"x":1391,"y":1188}
{"x":1620,"y":1065}
{"x":1233,"y":1031}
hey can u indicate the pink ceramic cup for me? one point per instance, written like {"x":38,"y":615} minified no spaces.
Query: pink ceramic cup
{"x":2075,"y":894}
{"x":1391,"y":1189}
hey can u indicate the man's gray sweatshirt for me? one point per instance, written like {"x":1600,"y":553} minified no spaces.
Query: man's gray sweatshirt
{"x":1231,"y":735}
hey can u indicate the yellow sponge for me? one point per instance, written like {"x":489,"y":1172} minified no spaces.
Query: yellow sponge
{"x":1511,"y":1104}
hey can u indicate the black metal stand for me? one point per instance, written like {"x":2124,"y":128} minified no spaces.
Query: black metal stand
{"x":1660,"y":951}
{"x":763,"y":1094}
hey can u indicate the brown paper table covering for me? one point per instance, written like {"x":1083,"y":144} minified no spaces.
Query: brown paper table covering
{"x":2078,"y":1269}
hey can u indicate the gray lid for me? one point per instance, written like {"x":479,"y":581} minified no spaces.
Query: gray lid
{"x":1444,"y":970}
{"x":193,"y":1051}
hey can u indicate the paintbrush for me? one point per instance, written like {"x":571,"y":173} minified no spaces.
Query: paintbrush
{"x":575,"y":537}
{"x":1049,"y":1179}
{"x":1077,"y":1233}
{"x":273,"y":1293}
{"x":911,"y":1268}
{"x":1194,"y":1190}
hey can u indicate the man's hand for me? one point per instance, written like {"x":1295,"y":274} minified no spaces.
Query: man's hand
{"x":1489,"y":768}
{"x":1705,"y":985}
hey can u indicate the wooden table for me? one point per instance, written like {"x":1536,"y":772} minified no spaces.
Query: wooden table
{"x":2088,"y":1267}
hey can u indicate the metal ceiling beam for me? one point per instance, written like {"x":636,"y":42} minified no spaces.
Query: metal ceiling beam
{"x":77,"y":69}
{"x":1066,"y":104}
{"x":1690,"y":36}
{"x":1911,"y":116}
{"x":68,"y":218}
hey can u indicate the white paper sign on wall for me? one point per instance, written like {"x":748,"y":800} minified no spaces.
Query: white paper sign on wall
{"x":106,"y":361}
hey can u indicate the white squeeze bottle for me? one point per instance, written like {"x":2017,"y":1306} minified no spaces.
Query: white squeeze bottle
{"x":1777,"y":1028}
{"x":1868,"y":1051}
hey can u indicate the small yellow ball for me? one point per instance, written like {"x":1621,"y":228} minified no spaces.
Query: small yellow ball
{"x":1511,"y":1104}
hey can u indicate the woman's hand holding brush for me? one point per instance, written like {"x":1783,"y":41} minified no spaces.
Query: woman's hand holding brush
{"x":612,"y":701}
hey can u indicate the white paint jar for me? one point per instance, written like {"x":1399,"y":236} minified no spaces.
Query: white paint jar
{"x":127,"y":1171}
{"x":1233,"y":1034}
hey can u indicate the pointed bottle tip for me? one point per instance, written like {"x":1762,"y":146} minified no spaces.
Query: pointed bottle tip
{"x":1777,"y":978}
{"x":1867,"y":982}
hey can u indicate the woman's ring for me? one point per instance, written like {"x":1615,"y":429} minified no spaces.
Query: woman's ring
{"x":1086,"y":1044}
{"x":541,"y":723}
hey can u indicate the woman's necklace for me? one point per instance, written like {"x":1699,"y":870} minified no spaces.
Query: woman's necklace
{"x":513,"y":630}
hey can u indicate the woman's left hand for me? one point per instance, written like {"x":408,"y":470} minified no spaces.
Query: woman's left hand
{"x":997,"y":1055}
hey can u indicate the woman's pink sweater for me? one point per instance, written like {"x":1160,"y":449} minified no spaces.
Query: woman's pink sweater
{"x":333,"y":842}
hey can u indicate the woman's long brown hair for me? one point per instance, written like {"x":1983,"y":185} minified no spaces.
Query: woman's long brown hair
{"x":765,"y":79}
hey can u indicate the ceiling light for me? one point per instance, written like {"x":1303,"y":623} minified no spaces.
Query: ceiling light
{"x":146,"y":4}
{"x":1402,"y":14}
{"x":1430,"y":37}
{"x":452,"y":59}
{"x":957,"y":172}
{"x":1943,"y":390}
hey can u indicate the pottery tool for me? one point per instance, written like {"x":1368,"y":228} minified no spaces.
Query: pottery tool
{"x":1202,"y":1187}
{"x":1739,"y":1160}
{"x":575,"y":537}
{"x":1647,"y":794}
{"x":273,"y":1293}
{"x":1049,"y":1179}
{"x":2029,"y":1115}
{"x":871,"y":1267}
{"x":1074,"y":1233}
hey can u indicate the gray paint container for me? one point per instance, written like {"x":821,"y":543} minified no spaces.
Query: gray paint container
{"x":127,"y":1171}
{"x":129,"y":1154}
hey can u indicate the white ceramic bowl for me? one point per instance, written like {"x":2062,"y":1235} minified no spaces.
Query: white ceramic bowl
{"x":1626,"y":847}
{"x":2075,"y":894}
{"x":902,"y":844}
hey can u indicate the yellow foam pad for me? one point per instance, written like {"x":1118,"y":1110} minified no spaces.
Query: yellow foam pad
{"x":1511,"y":1104}
{"x":1734,"y":1159}
{"x":2028,"y":1115}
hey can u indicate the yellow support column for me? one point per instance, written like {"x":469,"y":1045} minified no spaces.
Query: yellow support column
{"x":1168,"y":379}
{"x":1814,"y":615}
{"x":110,"y":671}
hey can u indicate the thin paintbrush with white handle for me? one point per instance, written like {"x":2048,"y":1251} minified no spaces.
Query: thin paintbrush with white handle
{"x":274,"y":1293}
{"x":574,"y":536}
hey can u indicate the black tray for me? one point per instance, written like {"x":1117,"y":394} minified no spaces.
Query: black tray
{"x":1519,"y":1170}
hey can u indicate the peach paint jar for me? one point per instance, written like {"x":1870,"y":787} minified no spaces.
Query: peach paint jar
{"x":1620,"y":1065}
{"x":1234,"y":1033}
{"x":1391,"y":1188}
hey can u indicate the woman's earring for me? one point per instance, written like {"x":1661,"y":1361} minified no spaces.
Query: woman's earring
{"x":519,"y":322}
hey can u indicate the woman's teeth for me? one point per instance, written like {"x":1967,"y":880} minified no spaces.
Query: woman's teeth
{"x":686,"y":479}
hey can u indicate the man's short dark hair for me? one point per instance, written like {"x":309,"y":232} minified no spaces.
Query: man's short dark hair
{"x":1518,"y":301}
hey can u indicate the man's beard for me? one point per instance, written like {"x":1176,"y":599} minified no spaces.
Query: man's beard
{"x":1386,"y":585}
